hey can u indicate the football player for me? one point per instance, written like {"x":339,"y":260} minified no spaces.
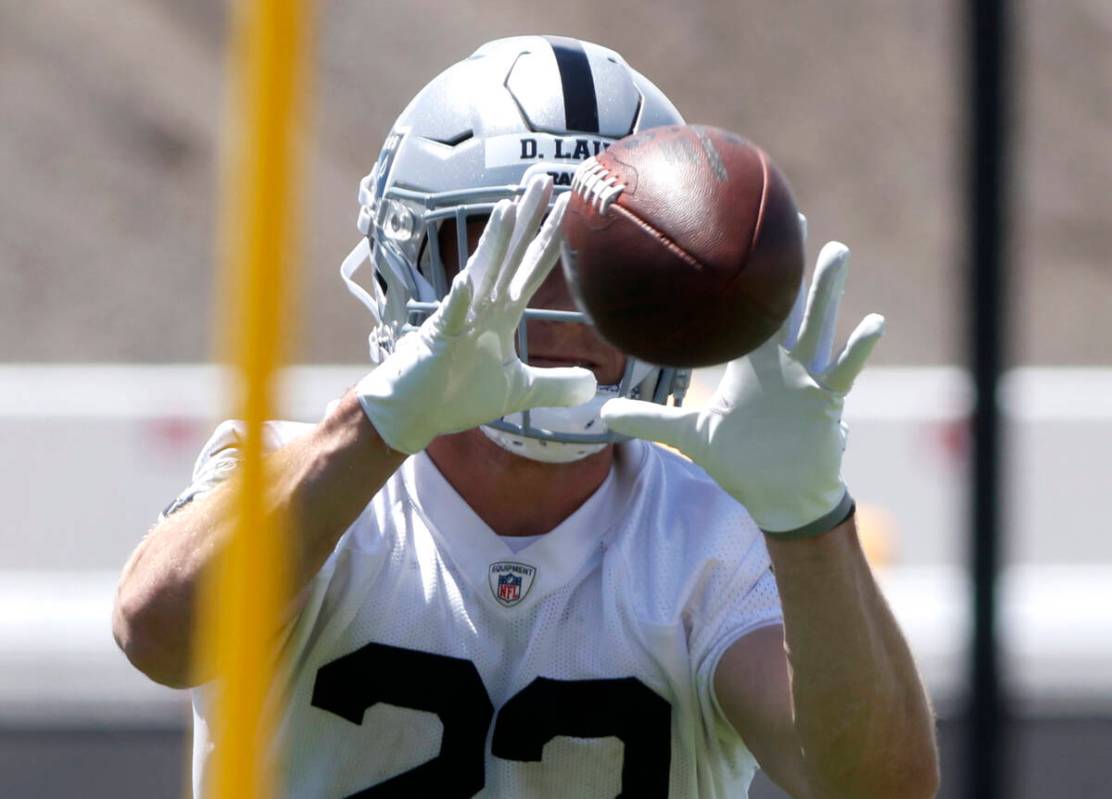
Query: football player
{"x":501,"y":588}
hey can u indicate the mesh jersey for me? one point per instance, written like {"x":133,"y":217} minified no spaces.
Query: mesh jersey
{"x":431,"y":660}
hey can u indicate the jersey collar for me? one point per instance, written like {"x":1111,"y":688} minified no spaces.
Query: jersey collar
{"x":557,"y":556}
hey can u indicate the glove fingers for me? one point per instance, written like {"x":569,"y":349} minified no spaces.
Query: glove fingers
{"x":490,"y":254}
{"x":650,"y":421}
{"x":816,"y":335}
{"x":530,"y":210}
{"x":452,"y":313}
{"x":555,"y":387}
{"x":542,"y":255}
{"x":854,"y":355}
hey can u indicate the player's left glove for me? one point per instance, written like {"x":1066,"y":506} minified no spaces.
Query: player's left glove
{"x":772,"y":434}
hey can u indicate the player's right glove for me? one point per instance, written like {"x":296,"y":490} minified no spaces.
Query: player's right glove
{"x":460,"y":368}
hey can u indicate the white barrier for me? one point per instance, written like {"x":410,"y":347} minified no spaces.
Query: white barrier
{"x":89,"y":454}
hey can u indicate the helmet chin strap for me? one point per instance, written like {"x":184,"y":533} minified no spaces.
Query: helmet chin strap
{"x":532,"y":430}
{"x":578,"y":420}
{"x":542,"y":451}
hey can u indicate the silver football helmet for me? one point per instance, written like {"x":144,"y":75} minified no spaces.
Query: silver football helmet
{"x":470,"y":138}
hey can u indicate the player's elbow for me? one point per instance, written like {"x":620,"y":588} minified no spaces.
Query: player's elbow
{"x":923,"y":782}
{"x":917,"y":777}
{"x":920,"y":784}
{"x":920,"y":781}
{"x":929,"y":775}
{"x":911,"y":772}
{"x":918,"y":770}
{"x":149,"y":642}
{"x":932,"y":782}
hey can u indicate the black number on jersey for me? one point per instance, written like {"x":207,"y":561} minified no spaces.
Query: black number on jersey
{"x":627,"y":709}
{"x":449,"y":687}
{"x":624,"y":708}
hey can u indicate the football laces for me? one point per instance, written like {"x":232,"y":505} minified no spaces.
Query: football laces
{"x":596,"y":185}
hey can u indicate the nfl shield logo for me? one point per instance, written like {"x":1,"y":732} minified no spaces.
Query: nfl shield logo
{"x":510,"y":582}
{"x":509,"y":588}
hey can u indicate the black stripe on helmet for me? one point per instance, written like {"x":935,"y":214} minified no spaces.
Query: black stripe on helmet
{"x":580,"y":102}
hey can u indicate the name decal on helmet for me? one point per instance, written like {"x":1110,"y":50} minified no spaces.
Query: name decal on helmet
{"x":513,"y":149}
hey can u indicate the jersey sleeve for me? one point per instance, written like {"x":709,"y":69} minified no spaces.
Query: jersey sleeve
{"x":699,"y":560}
{"x":738,"y":597}
{"x":220,"y":456}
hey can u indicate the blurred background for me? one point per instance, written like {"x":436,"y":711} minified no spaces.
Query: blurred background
{"x":109,"y":152}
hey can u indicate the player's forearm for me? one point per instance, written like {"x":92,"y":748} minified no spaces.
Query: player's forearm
{"x":319,"y":483}
{"x":861,"y":712}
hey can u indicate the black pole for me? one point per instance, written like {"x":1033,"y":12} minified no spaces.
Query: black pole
{"x":988,"y":187}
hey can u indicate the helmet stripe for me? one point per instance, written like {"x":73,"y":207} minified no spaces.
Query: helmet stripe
{"x":580,"y":103}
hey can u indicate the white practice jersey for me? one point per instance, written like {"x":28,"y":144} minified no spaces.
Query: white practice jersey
{"x":431,"y":660}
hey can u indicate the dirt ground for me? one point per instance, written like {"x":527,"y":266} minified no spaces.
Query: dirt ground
{"x":112,"y":117}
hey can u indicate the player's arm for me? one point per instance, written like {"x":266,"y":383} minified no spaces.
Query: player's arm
{"x":831,"y":704}
{"x":458,"y":370}
{"x":320,"y":483}
{"x":773,"y":437}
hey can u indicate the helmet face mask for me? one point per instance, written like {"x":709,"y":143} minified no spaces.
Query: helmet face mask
{"x":472,"y":137}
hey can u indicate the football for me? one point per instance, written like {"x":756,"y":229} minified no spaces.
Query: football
{"x":683,"y":245}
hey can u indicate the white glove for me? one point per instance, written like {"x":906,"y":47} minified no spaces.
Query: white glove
{"x":772,"y":434}
{"x":460,"y":368}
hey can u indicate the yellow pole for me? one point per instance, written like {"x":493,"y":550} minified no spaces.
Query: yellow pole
{"x":241,"y":607}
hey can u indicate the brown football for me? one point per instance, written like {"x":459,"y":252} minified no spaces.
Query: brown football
{"x":683,"y":245}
